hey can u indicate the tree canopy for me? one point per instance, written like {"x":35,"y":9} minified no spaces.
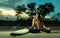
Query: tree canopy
{"x":46,"y":8}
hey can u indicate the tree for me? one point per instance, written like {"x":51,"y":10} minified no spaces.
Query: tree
{"x":19,"y":10}
{"x":23,"y":8}
{"x":6,"y":17}
{"x":53,"y":17}
{"x":31,"y":7}
{"x":56,"y":19}
{"x":45,"y":8}
{"x":58,"y":13}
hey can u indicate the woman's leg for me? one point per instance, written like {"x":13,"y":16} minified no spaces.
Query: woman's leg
{"x":47,"y":30}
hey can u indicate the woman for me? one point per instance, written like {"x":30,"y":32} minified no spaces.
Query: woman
{"x":38,"y":25}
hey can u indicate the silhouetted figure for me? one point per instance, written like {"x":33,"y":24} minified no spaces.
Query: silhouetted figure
{"x":38,"y":25}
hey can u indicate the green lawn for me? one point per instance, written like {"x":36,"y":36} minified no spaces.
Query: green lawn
{"x":55,"y":33}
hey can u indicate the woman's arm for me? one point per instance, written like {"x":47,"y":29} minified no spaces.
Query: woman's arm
{"x":44,"y":25}
{"x":32,"y":24}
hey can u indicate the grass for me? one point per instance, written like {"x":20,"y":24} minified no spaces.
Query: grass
{"x":55,"y":33}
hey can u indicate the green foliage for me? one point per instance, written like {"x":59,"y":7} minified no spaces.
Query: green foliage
{"x":42,"y":9}
{"x":31,"y":6}
{"x":46,"y":8}
{"x":20,"y":8}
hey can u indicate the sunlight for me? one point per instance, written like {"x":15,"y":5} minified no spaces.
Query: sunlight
{"x":8,"y":12}
{"x":24,"y":15}
{"x":11,"y":12}
{"x":47,"y":16}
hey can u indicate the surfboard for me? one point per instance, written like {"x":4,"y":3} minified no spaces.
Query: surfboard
{"x":19,"y":32}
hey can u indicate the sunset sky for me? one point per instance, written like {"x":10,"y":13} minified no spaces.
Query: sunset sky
{"x":14,"y":3}
{"x":7,"y":6}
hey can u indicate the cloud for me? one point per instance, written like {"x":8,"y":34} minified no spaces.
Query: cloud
{"x":10,"y":14}
{"x":4,"y":11}
{"x":24,"y":15}
{"x":10,"y":3}
{"x":7,"y":13}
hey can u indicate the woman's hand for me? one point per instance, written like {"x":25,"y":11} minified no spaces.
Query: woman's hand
{"x":48,"y":28}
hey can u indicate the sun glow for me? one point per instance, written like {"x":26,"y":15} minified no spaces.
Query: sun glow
{"x":11,"y":12}
{"x":47,"y":17}
{"x":8,"y":12}
{"x":24,"y":15}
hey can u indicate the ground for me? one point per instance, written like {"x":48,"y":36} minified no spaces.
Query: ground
{"x":55,"y":33}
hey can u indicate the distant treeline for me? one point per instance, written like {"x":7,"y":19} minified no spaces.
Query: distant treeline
{"x":20,"y":22}
{"x":28,"y":22}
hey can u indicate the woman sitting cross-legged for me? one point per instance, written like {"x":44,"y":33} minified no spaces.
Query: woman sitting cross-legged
{"x":38,"y":25}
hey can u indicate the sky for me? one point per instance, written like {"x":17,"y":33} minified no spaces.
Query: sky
{"x":54,"y":2}
{"x":9,"y":5}
{"x":14,"y":3}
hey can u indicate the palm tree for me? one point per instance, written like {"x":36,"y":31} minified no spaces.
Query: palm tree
{"x":45,"y":9}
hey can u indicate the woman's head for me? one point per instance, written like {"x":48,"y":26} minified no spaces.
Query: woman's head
{"x":37,"y":15}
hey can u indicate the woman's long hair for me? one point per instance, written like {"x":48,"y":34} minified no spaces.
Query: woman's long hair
{"x":39,"y":17}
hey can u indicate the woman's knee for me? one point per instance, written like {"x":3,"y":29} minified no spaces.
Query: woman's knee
{"x":48,"y":30}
